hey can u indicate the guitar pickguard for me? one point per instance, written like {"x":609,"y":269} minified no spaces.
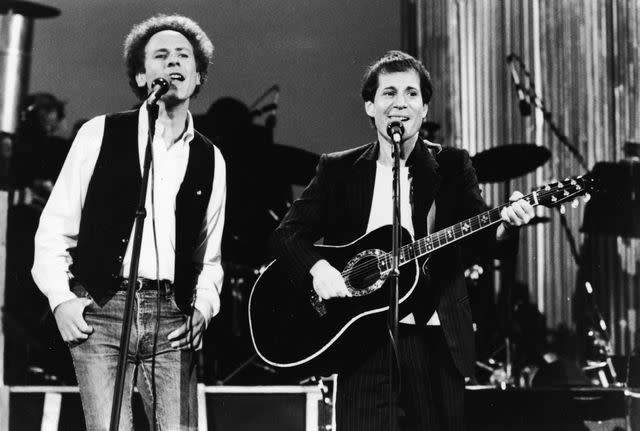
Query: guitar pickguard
{"x":362,"y":273}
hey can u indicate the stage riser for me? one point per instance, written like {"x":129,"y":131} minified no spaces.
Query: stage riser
{"x":487,"y":410}
{"x":228,"y":412}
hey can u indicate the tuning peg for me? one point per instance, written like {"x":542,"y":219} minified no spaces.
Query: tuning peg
{"x":563,"y":209}
{"x":575,"y":203}
{"x":586,"y":198}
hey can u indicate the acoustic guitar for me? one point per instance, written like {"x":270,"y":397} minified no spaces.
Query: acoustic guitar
{"x":291,"y":327}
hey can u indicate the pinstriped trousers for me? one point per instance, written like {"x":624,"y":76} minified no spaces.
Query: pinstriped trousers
{"x":431,"y":394}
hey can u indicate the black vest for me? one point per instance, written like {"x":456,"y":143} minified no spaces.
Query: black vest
{"x":110,"y":205}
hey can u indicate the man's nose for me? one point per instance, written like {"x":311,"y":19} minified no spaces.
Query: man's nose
{"x":173,"y":59}
{"x":400,"y":101}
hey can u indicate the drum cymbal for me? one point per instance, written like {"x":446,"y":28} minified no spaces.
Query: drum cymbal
{"x":508,"y":161}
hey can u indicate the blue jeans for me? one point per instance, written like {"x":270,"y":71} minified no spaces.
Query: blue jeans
{"x":96,"y":362}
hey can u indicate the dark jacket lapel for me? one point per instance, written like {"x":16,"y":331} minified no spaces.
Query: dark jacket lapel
{"x":423,"y":169}
{"x":364,"y":176}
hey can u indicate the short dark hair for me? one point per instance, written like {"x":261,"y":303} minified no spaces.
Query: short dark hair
{"x":390,"y":62}
{"x":140,"y":34}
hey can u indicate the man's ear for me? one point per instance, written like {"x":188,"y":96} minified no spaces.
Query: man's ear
{"x":369,"y":109}
{"x":141,"y":79}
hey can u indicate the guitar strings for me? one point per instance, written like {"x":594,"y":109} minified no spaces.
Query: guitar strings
{"x":372,"y":265}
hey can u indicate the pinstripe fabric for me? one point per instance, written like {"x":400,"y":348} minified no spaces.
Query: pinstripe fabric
{"x":432,"y":389}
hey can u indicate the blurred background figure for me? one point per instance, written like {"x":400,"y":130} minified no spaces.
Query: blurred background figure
{"x":40,"y":150}
{"x":6,"y":145}
{"x":34,"y":353}
{"x":260,"y":179}
{"x":255,"y":192}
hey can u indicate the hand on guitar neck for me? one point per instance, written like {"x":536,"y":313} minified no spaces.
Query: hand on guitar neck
{"x":327,"y":281}
{"x":518,"y":213}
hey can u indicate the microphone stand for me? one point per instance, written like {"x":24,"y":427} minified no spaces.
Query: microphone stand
{"x":395,"y":278}
{"x":127,"y":320}
{"x":537,"y":102}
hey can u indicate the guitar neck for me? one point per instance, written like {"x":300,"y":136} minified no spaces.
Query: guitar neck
{"x":441,"y":238}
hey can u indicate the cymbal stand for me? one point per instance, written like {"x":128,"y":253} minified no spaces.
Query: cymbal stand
{"x":504,"y":284}
{"x":603,"y":337}
{"x":537,"y":102}
{"x":507,"y":279}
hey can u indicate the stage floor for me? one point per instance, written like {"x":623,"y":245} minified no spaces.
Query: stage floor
{"x":307,"y":407}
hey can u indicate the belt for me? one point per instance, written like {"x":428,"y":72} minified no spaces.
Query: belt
{"x":147,"y":284}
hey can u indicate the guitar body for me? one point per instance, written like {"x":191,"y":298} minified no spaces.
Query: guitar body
{"x":290,"y":329}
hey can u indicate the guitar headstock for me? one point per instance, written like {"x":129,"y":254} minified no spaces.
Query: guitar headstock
{"x":556,"y":193}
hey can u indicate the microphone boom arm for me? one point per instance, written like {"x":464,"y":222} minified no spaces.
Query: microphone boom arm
{"x":536,"y":101}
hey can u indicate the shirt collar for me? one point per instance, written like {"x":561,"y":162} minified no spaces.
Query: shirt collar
{"x":185,"y":138}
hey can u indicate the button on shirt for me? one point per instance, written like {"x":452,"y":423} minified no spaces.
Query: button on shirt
{"x":60,"y":220}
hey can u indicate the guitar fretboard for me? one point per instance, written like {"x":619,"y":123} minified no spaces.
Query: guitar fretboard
{"x":549,"y":196}
{"x":441,"y":238}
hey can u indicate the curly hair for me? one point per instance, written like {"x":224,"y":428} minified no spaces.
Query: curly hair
{"x":390,"y":62}
{"x":140,"y":34}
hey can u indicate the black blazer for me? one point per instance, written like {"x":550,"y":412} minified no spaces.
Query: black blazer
{"x":336,"y":205}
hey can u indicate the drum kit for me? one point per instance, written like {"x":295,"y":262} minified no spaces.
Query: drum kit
{"x":525,"y":363}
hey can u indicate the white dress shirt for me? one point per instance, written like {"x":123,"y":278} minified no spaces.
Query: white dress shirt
{"x":381,"y":213}
{"x":60,"y":220}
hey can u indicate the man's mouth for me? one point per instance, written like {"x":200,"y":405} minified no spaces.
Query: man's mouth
{"x":398,"y":118}
{"x":176,"y":77}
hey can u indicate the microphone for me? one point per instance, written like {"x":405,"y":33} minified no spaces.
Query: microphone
{"x":395,"y":130}
{"x":525,"y":107}
{"x":159,"y":88}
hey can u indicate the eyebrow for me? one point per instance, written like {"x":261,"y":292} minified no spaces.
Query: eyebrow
{"x":393,"y":87}
{"x":165,"y":50}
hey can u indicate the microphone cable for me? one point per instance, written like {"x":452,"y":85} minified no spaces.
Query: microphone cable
{"x":154,"y":402}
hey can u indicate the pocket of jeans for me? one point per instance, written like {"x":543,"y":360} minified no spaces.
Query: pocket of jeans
{"x":173,"y":305}
{"x":80,"y":292}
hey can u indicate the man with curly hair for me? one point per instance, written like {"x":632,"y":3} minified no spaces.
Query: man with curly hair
{"x":84,"y":241}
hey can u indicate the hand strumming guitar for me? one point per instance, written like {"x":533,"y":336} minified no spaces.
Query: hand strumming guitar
{"x":327,"y":281}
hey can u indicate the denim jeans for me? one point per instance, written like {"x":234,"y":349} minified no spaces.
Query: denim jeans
{"x":96,"y":362}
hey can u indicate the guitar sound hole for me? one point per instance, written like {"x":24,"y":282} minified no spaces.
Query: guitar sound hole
{"x":364,"y":274}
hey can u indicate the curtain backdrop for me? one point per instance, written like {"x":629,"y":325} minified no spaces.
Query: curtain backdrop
{"x":583,"y":59}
